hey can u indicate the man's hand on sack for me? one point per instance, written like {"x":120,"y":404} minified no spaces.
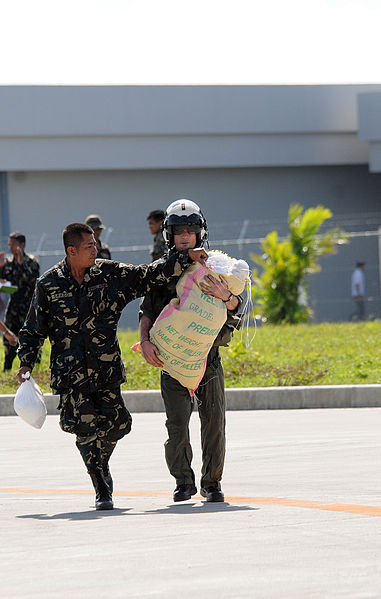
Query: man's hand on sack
{"x":198,"y":255}
{"x":22,"y":371}
{"x":219,"y":289}
{"x":151,"y":353}
{"x":215,"y":287}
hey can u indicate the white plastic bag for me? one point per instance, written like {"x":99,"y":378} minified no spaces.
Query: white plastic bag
{"x":29,"y":402}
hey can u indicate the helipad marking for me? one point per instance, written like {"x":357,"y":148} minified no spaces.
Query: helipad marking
{"x":364,"y":510}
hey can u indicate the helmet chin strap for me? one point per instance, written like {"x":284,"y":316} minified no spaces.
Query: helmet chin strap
{"x":204,"y":241}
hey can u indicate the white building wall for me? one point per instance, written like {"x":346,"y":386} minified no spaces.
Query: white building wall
{"x":370,"y":126}
{"x":82,"y":128}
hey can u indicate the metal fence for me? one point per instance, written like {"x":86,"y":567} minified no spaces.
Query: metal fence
{"x":329,"y":290}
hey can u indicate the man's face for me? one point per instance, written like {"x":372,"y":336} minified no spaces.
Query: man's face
{"x":85,"y":254}
{"x":154,"y":226}
{"x":185,"y":240}
{"x":15,"y":246}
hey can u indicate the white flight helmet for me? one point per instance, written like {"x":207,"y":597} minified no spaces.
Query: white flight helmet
{"x":184,"y":212}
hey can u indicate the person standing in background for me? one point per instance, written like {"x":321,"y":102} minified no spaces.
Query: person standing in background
{"x":358,"y":292}
{"x":94,"y":221}
{"x":22,"y":271}
{"x":155,"y":221}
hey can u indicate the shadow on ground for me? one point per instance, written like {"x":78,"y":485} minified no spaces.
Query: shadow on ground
{"x":89,"y":515}
{"x":188,"y":508}
{"x":205,"y":508}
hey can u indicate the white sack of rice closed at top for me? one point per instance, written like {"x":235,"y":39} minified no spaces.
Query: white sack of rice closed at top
{"x":186,"y":328}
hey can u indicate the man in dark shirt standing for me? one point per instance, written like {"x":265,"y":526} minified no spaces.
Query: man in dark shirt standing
{"x":155,"y":221}
{"x":77,"y":304}
{"x":94,"y":221}
{"x":22,"y":271}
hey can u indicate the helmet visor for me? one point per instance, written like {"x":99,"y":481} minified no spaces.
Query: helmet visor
{"x":178,"y":229}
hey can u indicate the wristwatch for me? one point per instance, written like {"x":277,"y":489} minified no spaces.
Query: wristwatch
{"x":229,"y":298}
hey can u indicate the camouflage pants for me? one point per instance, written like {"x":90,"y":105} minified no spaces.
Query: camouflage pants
{"x":98,"y":420}
{"x":211,"y":409}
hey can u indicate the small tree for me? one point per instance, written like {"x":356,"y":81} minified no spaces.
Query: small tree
{"x":280,"y":289}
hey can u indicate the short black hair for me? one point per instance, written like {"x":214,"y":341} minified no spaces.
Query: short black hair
{"x":360,"y":264}
{"x":156,"y":215}
{"x":72,"y":234}
{"x":20,"y":237}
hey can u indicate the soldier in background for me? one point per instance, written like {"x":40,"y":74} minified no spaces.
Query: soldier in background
{"x":155,"y":221}
{"x":94,"y":221}
{"x":77,"y":304}
{"x":22,"y":271}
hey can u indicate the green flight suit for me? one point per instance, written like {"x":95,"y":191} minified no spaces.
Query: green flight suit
{"x":210,"y":396}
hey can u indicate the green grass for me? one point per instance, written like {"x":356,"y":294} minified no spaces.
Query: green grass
{"x":323,"y":354}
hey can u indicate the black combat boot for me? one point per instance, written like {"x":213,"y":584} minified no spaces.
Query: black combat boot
{"x":103,"y":496}
{"x":184,"y":492}
{"x":108,"y":477}
{"x":107,"y":448}
{"x":212,"y":493}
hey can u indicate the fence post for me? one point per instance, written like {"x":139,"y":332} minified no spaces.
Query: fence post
{"x":40,"y":244}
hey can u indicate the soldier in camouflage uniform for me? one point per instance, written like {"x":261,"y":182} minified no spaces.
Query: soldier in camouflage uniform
{"x":94,"y":221}
{"x":22,"y":271}
{"x":155,"y":221}
{"x":185,"y":227}
{"x":77,"y":304}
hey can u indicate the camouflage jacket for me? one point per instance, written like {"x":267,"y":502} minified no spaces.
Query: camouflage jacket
{"x":24,"y":276}
{"x":154,"y":302}
{"x":159,"y":247}
{"x":81,"y":320}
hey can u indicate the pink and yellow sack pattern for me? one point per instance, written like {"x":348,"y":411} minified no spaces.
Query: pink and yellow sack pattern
{"x":186,"y":329}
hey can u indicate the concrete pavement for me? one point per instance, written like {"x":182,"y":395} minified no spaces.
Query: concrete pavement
{"x":302,"y":518}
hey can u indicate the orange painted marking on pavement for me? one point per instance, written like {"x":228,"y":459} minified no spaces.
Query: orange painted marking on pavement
{"x":364,"y":510}
{"x":86,"y":492}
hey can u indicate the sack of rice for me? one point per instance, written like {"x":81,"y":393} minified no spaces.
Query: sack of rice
{"x":186,"y":328}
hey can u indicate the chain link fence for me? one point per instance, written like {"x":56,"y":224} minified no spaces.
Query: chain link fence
{"x":329,"y":290}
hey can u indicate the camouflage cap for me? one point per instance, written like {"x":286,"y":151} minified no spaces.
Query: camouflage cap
{"x":94,"y":221}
